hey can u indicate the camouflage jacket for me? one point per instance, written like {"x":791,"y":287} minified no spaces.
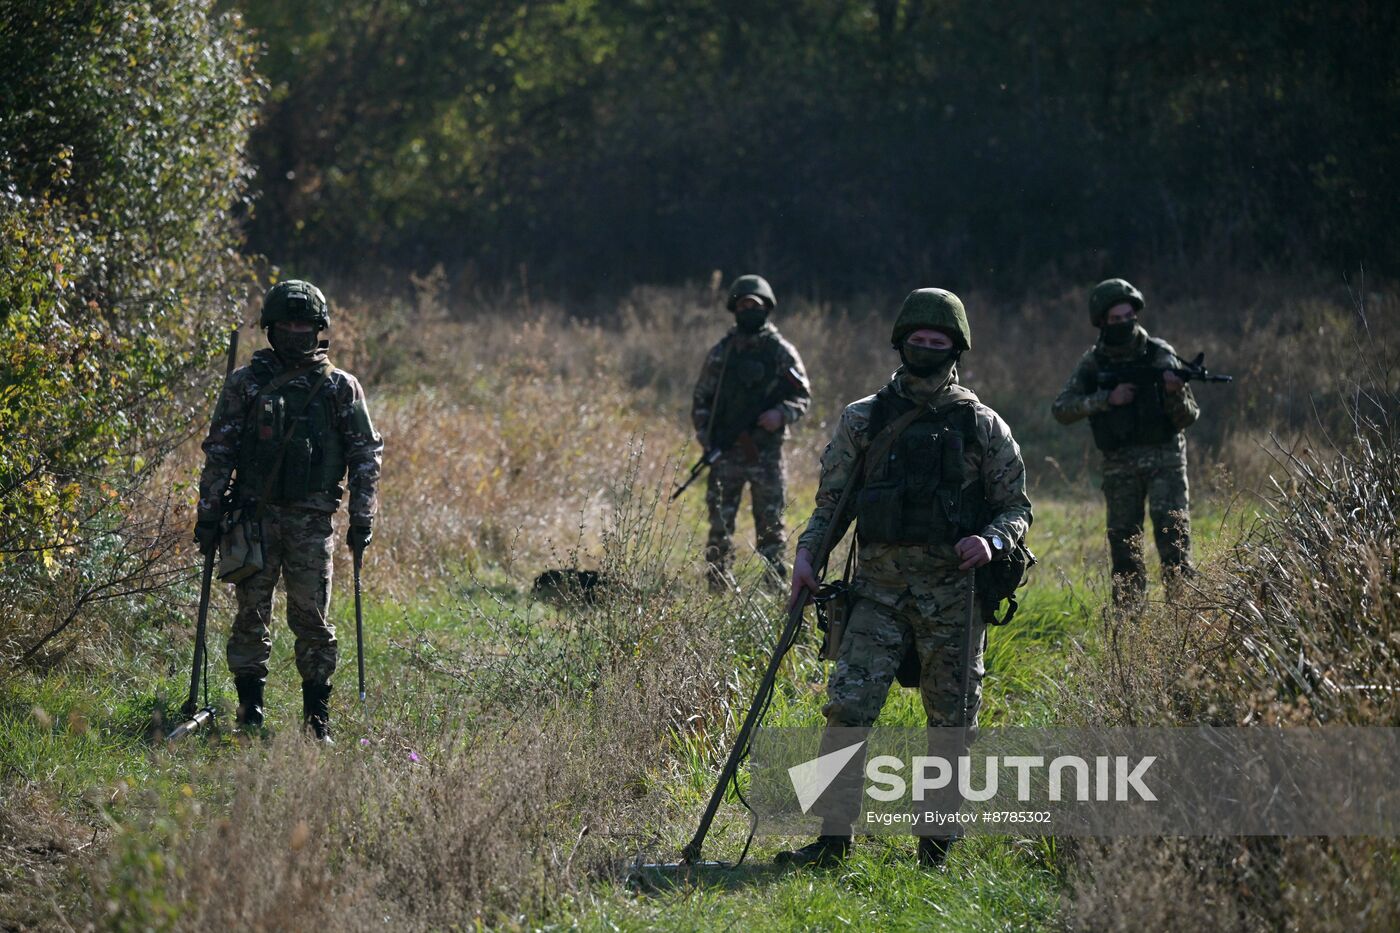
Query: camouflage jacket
{"x":1081,"y":398}
{"x":888,"y":572}
{"x":707,"y":387}
{"x":363,"y":446}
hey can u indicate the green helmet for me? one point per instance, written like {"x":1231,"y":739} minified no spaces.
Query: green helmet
{"x":1108,"y":293}
{"x":936,"y":308}
{"x":295,"y":300}
{"x":755,"y":285}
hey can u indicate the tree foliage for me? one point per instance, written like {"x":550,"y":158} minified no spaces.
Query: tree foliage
{"x":122,"y":133}
{"x":855,"y":142}
{"x":122,"y":157}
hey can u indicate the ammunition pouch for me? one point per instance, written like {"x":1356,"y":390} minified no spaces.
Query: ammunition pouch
{"x":241,"y":552}
{"x":1144,"y":421}
{"x":998,"y":581}
{"x":833,"y":602}
{"x":291,"y":447}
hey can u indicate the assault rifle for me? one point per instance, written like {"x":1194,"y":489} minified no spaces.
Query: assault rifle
{"x":787,"y":384}
{"x":1148,"y":376}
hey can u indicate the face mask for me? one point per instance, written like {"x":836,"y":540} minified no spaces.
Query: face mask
{"x":294,"y":347}
{"x":1118,"y":334}
{"x":750,"y":320}
{"x":926,"y":361}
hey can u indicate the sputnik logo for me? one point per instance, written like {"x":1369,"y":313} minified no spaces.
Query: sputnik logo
{"x":811,"y":778}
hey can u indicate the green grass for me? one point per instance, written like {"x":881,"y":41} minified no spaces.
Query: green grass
{"x":80,"y":740}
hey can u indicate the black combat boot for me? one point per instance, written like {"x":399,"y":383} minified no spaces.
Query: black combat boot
{"x":826,"y":851}
{"x":718,"y":579}
{"x":316,"y":711}
{"x":933,"y":850}
{"x":250,"y":701}
{"x":776,"y":577}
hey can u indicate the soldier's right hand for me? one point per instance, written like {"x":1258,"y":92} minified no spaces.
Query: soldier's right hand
{"x":206,"y":535}
{"x":1122,"y":394}
{"x":803,"y":577}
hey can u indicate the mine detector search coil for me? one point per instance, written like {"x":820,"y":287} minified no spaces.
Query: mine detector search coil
{"x":690,"y":856}
{"x":199,"y":670}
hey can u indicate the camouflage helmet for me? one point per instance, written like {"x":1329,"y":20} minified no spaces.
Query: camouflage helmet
{"x":295,"y":300}
{"x":935,"y":308}
{"x":1108,"y":293}
{"x":755,"y":285}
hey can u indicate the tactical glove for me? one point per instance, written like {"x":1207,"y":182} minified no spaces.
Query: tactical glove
{"x":358,"y":537}
{"x":206,"y":535}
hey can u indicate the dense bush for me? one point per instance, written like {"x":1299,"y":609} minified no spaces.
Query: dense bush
{"x":122,"y":128}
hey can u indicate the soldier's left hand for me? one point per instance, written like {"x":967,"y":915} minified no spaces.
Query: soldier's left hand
{"x":771,"y":420}
{"x":359,"y":536}
{"x":1172,"y":382}
{"x":974,"y":551}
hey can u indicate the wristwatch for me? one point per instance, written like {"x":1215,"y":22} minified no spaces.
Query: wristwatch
{"x":997,"y":544}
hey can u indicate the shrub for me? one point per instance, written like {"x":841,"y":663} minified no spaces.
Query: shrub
{"x":123,"y":129}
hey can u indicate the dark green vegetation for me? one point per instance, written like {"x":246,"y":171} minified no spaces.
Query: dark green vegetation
{"x":838,"y":145}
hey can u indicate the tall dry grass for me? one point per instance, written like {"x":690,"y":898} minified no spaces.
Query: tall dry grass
{"x":505,"y":421}
{"x":547,"y":769}
{"x":1296,"y":623}
{"x":508,"y":426}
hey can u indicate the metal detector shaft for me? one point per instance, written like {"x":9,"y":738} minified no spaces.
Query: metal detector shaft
{"x":359,"y":554}
{"x":691,"y":852}
{"x":788,"y":638}
{"x":205,"y":583}
{"x":202,"y":622}
{"x":970,"y":627}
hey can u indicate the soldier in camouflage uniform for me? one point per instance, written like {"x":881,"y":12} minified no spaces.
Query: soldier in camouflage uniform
{"x":1141,"y":434}
{"x":939,"y":496}
{"x":288,"y":429}
{"x":751,"y":387}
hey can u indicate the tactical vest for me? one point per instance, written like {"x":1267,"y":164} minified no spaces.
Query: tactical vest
{"x":1144,"y":420}
{"x":918,"y":493}
{"x":314,"y":460}
{"x":748,"y":375}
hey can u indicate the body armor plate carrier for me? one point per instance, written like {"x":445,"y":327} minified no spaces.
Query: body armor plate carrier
{"x":1141,"y":422}
{"x":919,"y":493}
{"x":314,"y":460}
{"x":749,"y":375}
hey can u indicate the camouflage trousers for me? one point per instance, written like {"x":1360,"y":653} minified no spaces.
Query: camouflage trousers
{"x":1160,"y":481}
{"x":767,"y":484}
{"x":876,"y":637}
{"x":297,"y":547}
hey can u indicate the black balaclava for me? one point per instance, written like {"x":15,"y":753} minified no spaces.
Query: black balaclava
{"x":294,"y":349}
{"x":751,"y":320}
{"x":1119,"y":333}
{"x":926,"y":361}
